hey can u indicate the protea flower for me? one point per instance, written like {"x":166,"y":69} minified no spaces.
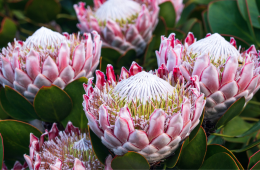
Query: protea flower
{"x":142,"y":112}
{"x":178,"y":7}
{"x":224,"y":74}
{"x":63,"y":150}
{"x":47,"y":58}
{"x":122,"y":24}
{"x":17,"y":166}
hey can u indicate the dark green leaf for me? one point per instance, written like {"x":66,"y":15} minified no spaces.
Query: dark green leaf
{"x":149,"y":60}
{"x":253,"y":159}
{"x":11,"y":110}
{"x":193,"y":154}
{"x":214,"y":149}
{"x":130,"y":160}
{"x":1,"y":151}
{"x":7,"y":31}
{"x":100,"y":150}
{"x":195,"y":131}
{"x":247,"y":147}
{"x":189,"y":24}
{"x":159,"y":31}
{"x":16,"y":137}
{"x":20,"y":102}
{"x":3,"y":114}
{"x":253,"y":129}
{"x":77,"y":115}
{"x":205,"y":21}
{"x":232,"y":111}
{"x":220,"y":161}
{"x":201,"y":2}
{"x":256,"y":166}
{"x":197,"y":30}
{"x":179,"y":34}
{"x":109,"y":56}
{"x":225,"y":18}
{"x":42,"y":11}
{"x":252,"y":109}
{"x":52,"y":104}
{"x":167,"y":12}
{"x":186,"y":13}
{"x":172,"y":160}
{"x":126,"y":59}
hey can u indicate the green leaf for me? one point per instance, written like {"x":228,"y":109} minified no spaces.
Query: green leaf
{"x":252,"y":109}
{"x":179,"y":34}
{"x":159,"y":31}
{"x":109,"y":56}
{"x":130,"y":160}
{"x":253,"y":129}
{"x":193,"y":154}
{"x":7,"y":31}
{"x":11,"y":110}
{"x":195,"y":131}
{"x":1,"y":151}
{"x":172,"y":160}
{"x":248,"y":8}
{"x":225,"y":18}
{"x":236,"y":128}
{"x":185,"y":14}
{"x":220,"y":161}
{"x":214,"y":149}
{"x":256,"y":166}
{"x":205,"y":21}
{"x":20,"y":102}
{"x":189,"y":24}
{"x":42,"y":11}
{"x":231,"y":112}
{"x":167,"y":12}
{"x":201,"y":2}
{"x":149,"y":60}
{"x":253,"y":159}
{"x":3,"y":114}
{"x":126,"y":59}
{"x":77,"y":115}
{"x":101,"y":151}
{"x":247,"y":147}
{"x":52,"y":104}
{"x":16,"y":135}
{"x":197,"y":30}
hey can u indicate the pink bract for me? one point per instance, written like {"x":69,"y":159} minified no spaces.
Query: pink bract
{"x":142,"y":112}
{"x":48,"y":58}
{"x":122,"y":25}
{"x":224,"y":73}
{"x":69,"y":149}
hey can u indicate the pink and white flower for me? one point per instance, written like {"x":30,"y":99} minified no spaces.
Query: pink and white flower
{"x":224,"y":73}
{"x":123,"y":25}
{"x":142,"y":112}
{"x":69,"y":149}
{"x":47,"y":58}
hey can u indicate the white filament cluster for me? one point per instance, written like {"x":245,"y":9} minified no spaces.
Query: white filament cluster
{"x":144,"y":87}
{"x":117,"y":10}
{"x":216,"y":46}
{"x":44,"y":38}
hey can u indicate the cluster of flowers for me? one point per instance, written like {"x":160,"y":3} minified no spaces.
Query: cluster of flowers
{"x":149,"y":112}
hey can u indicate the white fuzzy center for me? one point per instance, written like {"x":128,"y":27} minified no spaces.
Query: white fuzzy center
{"x":216,"y":46}
{"x":44,"y":38}
{"x":117,"y":10}
{"x":144,"y":87}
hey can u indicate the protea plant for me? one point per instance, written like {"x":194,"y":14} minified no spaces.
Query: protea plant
{"x":69,"y":149}
{"x":47,"y":58}
{"x":142,"y":112}
{"x":225,"y":74}
{"x":122,"y":25}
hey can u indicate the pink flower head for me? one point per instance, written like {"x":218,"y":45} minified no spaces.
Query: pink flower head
{"x":47,"y":58}
{"x":142,"y":112}
{"x":224,"y":74}
{"x":122,"y":24}
{"x":69,"y":149}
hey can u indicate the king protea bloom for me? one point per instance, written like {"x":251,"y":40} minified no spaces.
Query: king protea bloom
{"x":47,"y":58}
{"x":142,"y":112}
{"x":224,"y":73}
{"x":122,"y":24}
{"x":178,"y":6}
{"x":69,"y":149}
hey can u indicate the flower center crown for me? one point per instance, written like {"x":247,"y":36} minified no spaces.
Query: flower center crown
{"x":44,"y":38}
{"x":118,"y":10}
{"x":143,"y":87}
{"x":216,"y":46}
